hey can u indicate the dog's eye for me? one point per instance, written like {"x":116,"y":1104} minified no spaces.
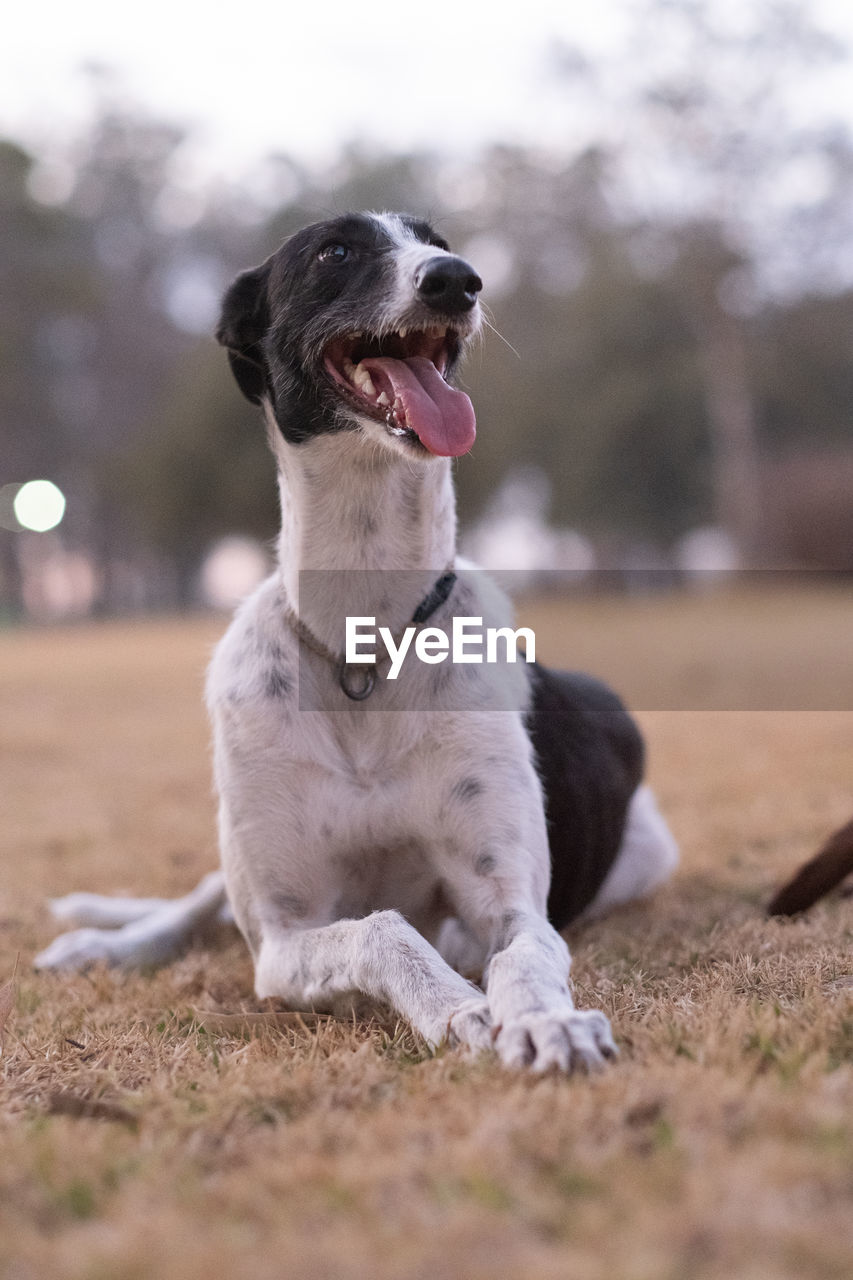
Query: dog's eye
{"x":333,"y":253}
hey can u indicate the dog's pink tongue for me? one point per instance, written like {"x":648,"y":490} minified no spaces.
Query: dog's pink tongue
{"x":442,"y":418}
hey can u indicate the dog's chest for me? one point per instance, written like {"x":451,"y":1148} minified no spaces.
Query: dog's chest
{"x":374,"y":876}
{"x":373,"y":840}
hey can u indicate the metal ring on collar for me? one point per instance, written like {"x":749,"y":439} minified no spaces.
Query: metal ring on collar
{"x":347,"y":670}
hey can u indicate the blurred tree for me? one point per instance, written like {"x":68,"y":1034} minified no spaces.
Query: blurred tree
{"x":646,"y":330}
{"x":200,"y":471}
{"x":711,"y":145}
{"x":46,"y":285}
{"x":803,"y":361}
{"x":47,"y":291}
{"x":596,"y":379}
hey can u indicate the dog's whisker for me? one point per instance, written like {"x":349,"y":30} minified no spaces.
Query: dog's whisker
{"x":487,"y":322}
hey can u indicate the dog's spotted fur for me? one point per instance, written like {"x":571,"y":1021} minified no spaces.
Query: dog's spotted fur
{"x":368,"y":850}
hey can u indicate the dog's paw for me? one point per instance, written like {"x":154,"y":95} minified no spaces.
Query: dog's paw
{"x":566,"y":1039}
{"x":77,"y":950}
{"x":71,"y":908}
{"x":470,"y":1026}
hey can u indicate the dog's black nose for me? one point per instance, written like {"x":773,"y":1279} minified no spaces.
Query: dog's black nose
{"x":448,"y":284}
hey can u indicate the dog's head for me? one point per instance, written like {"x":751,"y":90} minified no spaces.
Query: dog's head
{"x":358,"y":323}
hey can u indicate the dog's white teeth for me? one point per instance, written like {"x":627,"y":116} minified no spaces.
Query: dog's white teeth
{"x":383,"y":399}
{"x":361,"y":378}
{"x":403,"y":332}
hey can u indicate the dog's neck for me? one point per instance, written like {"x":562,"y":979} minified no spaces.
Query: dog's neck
{"x":364,"y":532}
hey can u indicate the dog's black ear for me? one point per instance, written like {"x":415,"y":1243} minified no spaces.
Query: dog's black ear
{"x":242,"y":325}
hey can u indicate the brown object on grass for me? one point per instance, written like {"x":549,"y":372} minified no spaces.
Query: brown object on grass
{"x":64,"y":1102}
{"x":241,"y":1024}
{"x":820,"y":874}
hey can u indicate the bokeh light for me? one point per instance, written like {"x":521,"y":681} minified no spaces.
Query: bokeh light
{"x":39,"y":505}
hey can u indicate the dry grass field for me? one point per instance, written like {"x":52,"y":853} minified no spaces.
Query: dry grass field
{"x":140,"y":1137}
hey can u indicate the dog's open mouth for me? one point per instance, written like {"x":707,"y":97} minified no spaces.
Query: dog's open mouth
{"x":399,"y":380}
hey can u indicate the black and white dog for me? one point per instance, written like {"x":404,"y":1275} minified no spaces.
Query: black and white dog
{"x":382,"y":838}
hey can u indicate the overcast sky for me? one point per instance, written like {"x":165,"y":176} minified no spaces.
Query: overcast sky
{"x":304,"y":78}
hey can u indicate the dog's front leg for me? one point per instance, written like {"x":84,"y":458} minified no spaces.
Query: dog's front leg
{"x":530,"y":1003}
{"x":495,"y":863}
{"x":383,"y":957}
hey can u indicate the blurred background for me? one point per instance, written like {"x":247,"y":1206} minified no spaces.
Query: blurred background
{"x":658,"y":195}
